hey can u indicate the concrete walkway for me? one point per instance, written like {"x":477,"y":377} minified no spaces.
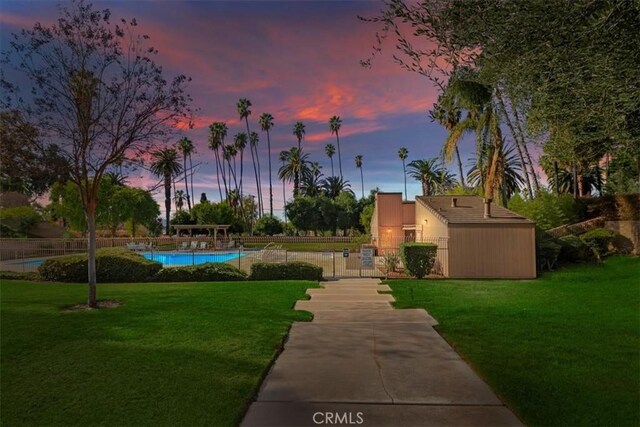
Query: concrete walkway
{"x":363,"y":362}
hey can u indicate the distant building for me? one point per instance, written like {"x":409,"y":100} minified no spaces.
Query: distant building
{"x":475,"y":238}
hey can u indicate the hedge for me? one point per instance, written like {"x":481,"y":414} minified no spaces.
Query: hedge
{"x":15,"y":275}
{"x":287,"y":271}
{"x":112,"y":264}
{"x":208,"y":272}
{"x":418,"y":258}
{"x":574,"y":249}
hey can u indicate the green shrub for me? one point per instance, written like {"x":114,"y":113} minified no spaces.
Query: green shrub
{"x":548,"y":210}
{"x":600,"y":239}
{"x":268,"y":226}
{"x":15,"y":275}
{"x":391,"y":261}
{"x":573,"y":249}
{"x":418,"y":258}
{"x":287,"y":271}
{"x":208,"y":272}
{"x":20,"y":219}
{"x":547,"y":254}
{"x":112,"y":264}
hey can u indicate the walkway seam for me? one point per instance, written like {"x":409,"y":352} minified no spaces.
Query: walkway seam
{"x":375,"y":358}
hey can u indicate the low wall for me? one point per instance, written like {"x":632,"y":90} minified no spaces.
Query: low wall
{"x":628,"y":229}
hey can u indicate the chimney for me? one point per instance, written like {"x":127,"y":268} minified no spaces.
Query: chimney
{"x":454,"y":202}
{"x":487,"y":208}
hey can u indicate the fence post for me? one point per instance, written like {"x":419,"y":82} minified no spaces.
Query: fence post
{"x":239,"y":255}
{"x":333,"y":259}
{"x":286,"y":256}
{"x":193,"y":258}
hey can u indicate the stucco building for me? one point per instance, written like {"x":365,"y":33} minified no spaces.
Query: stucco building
{"x":475,"y":238}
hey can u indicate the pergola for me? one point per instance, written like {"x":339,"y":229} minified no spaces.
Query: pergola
{"x":215,"y":227}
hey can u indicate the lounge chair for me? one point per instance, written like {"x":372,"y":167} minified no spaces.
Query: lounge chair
{"x":203,"y":246}
{"x":194,"y":246}
{"x":184,"y":246}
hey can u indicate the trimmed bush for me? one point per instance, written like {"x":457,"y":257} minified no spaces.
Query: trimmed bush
{"x":208,"y":272}
{"x":112,"y":264}
{"x":573,"y":249}
{"x":547,"y":253}
{"x":287,"y":271}
{"x":600,"y":239}
{"x":418,"y":258}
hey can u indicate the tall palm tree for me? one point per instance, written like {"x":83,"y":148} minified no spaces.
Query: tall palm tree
{"x":240,"y":143}
{"x":448,"y":115}
{"x":217,"y":134}
{"x":186,"y":147}
{"x":295,"y":168}
{"x":266,"y":123}
{"x":283,"y":158}
{"x":334,"y":185}
{"x":428,"y":172}
{"x":244,"y":110}
{"x":254,"y":138}
{"x":330,"y":150}
{"x":179,"y":199}
{"x":482,"y":119}
{"x":229,"y":152}
{"x":334,"y":125}
{"x":359,"y":166}
{"x":299,"y":130}
{"x":165,"y":164}
{"x":403,"y":153}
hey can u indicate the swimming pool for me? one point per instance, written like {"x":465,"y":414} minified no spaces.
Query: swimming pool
{"x":190,"y":258}
{"x":167,"y":259}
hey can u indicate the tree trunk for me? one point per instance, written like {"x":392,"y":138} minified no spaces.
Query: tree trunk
{"x":404,"y":174}
{"x":284,"y":198}
{"x":186,"y":182}
{"x":556,"y":173}
{"x":191,"y":179}
{"x":218,"y":173}
{"x":505,"y":113}
{"x":362,"y":181}
{"x":91,"y":267}
{"x":460,"y":172}
{"x":574,"y":173}
{"x":167,"y":201}
{"x":332,"y":172}
{"x":270,"y":180}
{"x":536,"y":183}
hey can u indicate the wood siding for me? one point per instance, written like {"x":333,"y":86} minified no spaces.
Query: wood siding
{"x":492,"y":251}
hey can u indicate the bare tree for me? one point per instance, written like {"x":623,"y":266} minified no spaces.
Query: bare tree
{"x":93,"y":88}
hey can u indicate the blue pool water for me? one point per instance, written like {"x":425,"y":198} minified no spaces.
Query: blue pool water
{"x":167,"y":259}
{"x":173,"y":259}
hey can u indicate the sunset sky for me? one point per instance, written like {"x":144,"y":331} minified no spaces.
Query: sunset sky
{"x":295,"y":60}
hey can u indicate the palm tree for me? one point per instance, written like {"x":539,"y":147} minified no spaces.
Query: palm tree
{"x":116,"y":178}
{"x":312,"y":183}
{"x":334,"y":185}
{"x":165,"y":165}
{"x":254,"y":138}
{"x":445,"y":182}
{"x":283,"y":158}
{"x":186,"y":147}
{"x":179,"y":199}
{"x":299,"y":131}
{"x":509,"y":172}
{"x":334,"y":125}
{"x":482,"y":119}
{"x":448,"y":115}
{"x":428,"y":172}
{"x":217,"y":134}
{"x":330,"y":150}
{"x":244,"y":110}
{"x":403,"y":153}
{"x":229,"y":152}
{"x":240,"y":143}
{"x":295,"y":168}
{"x":266,"y":123}
{"x":359,"y":166}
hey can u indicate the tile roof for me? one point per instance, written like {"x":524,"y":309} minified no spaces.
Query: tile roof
{"x":469,"y":209}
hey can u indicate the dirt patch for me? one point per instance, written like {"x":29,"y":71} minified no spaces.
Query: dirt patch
{"x":110,"y":303}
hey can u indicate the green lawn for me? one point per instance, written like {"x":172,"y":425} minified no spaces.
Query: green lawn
{"x":173,"y":354}
{"x":561,"y":350}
